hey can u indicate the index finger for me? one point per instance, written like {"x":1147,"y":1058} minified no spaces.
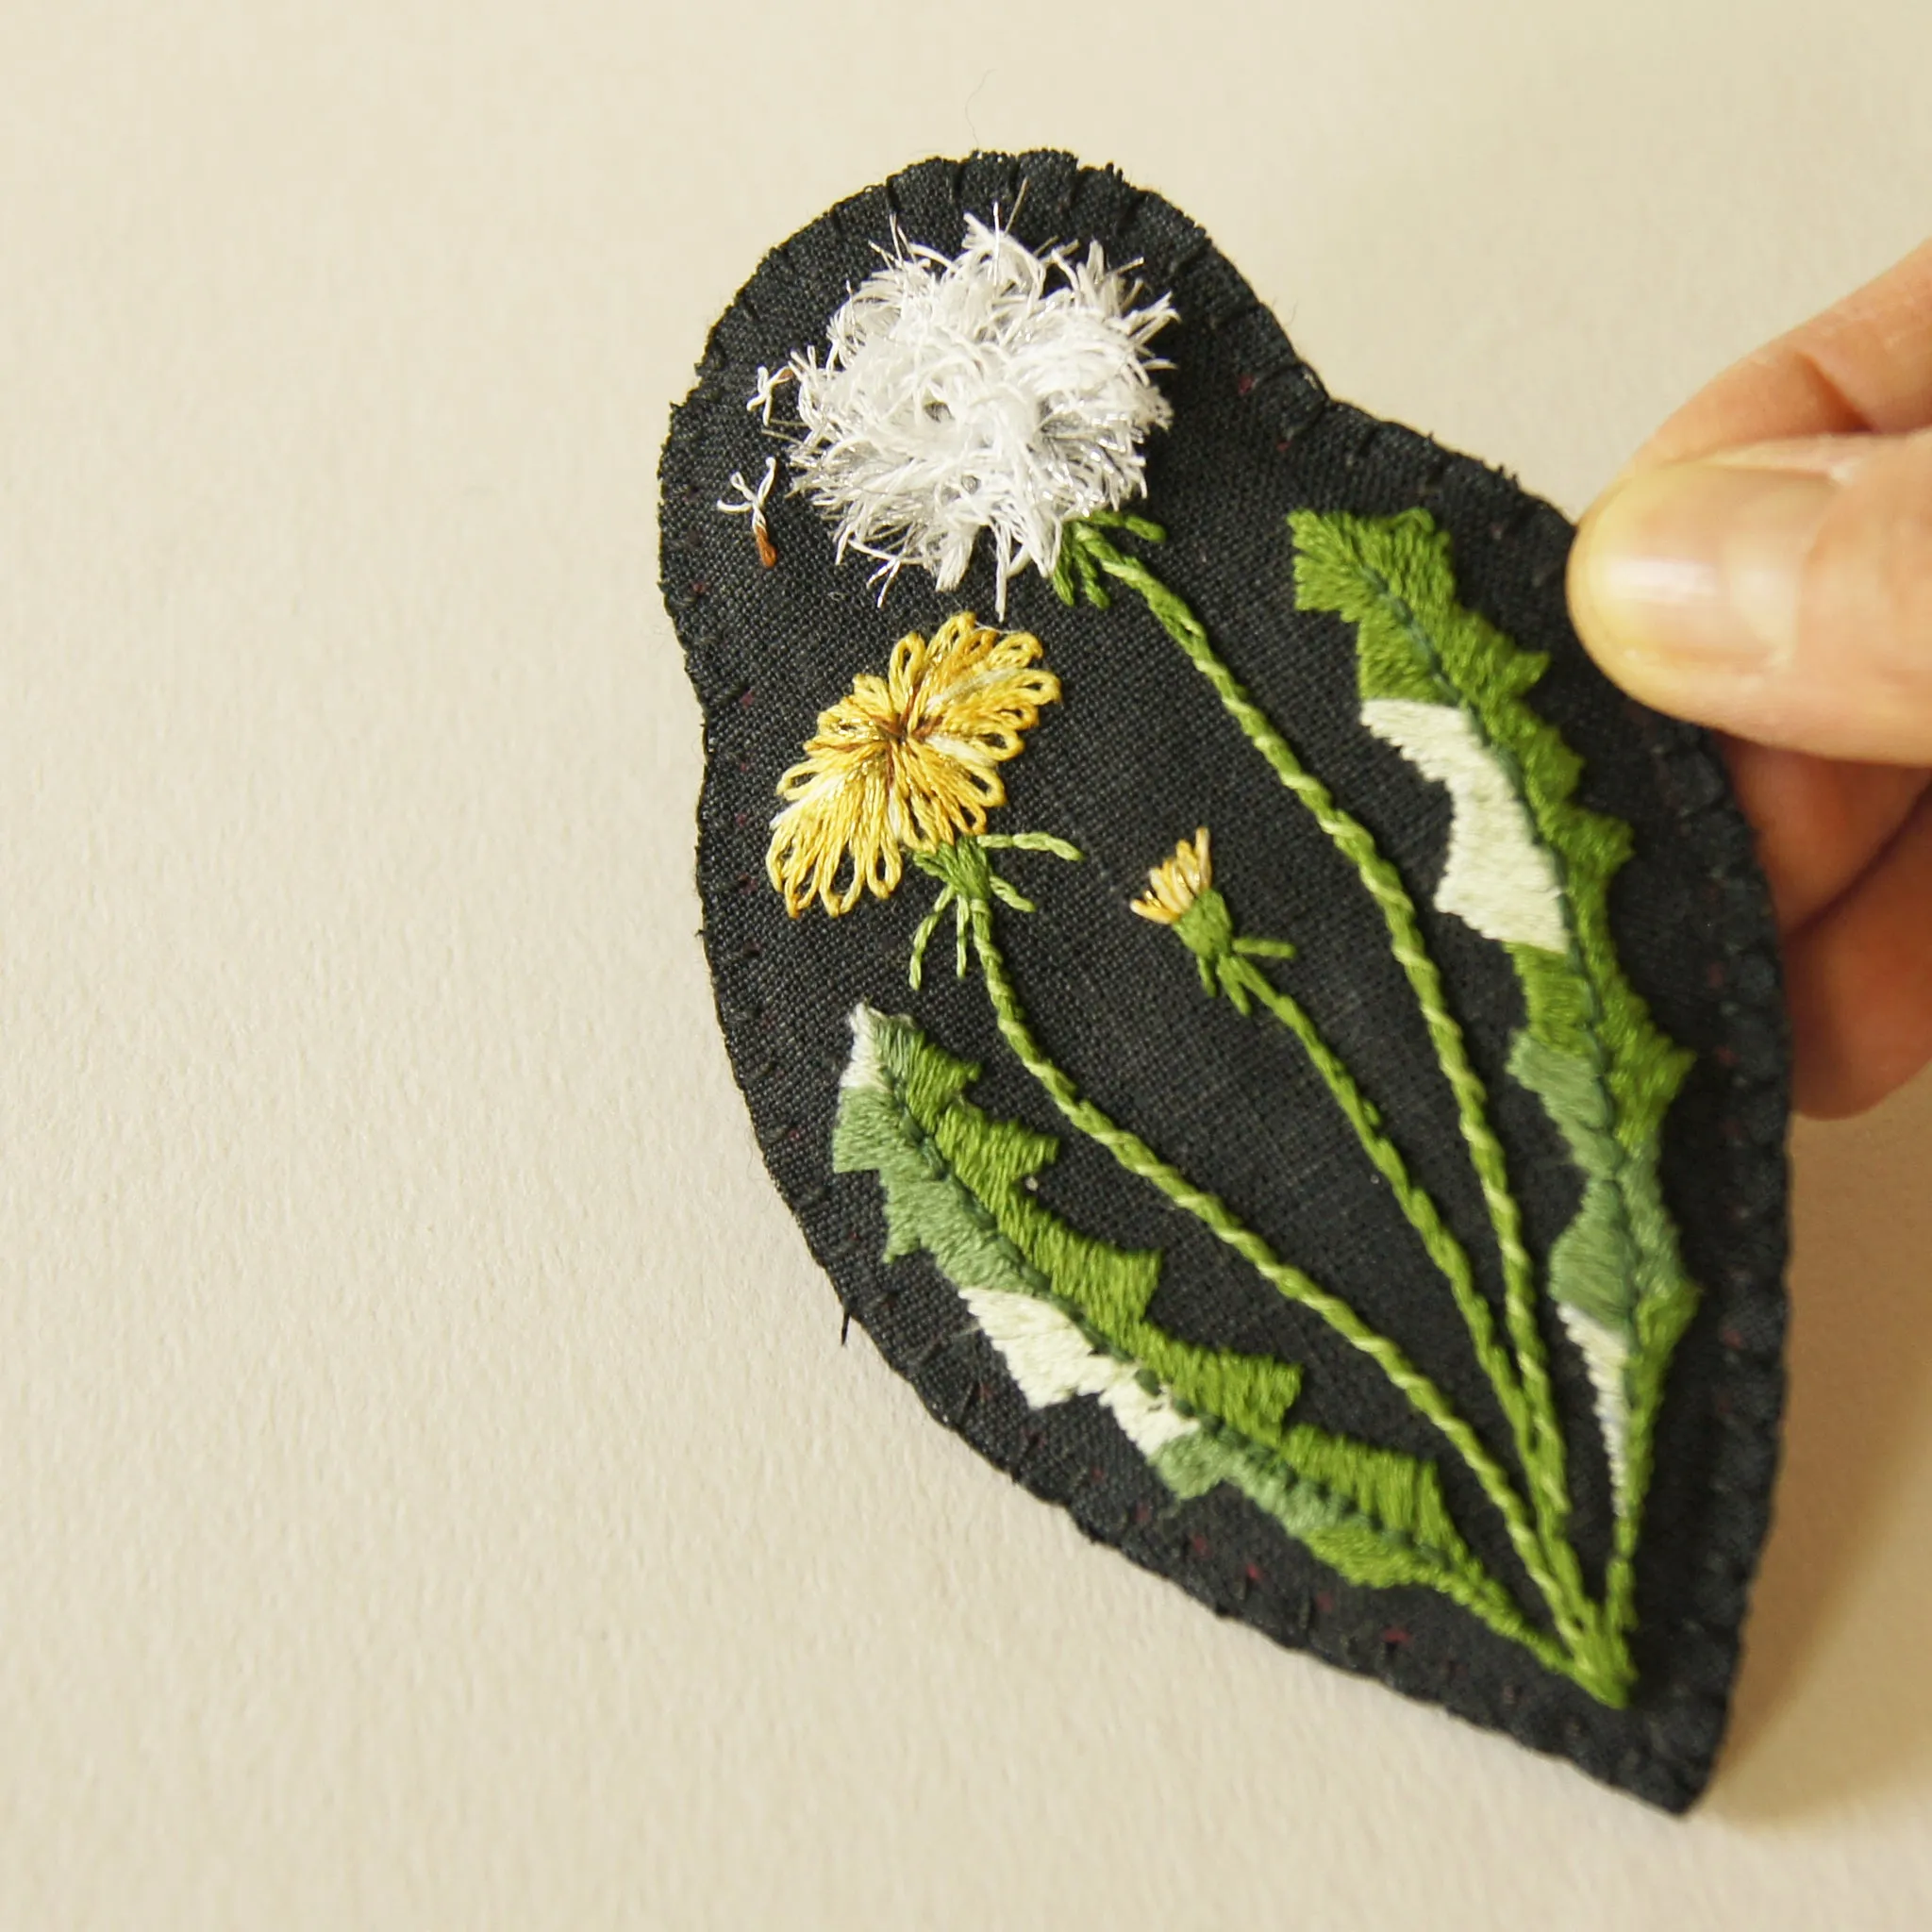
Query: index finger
{"x":1864,"y":365}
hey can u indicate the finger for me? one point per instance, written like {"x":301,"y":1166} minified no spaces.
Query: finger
{"x":1818,"y":823}
{"x":1859,"y":982}
{"x":1864,"y":365}
{"x":1781,"y":594}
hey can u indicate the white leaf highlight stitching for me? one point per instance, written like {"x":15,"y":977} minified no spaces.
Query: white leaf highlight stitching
{"x":1606,"y":1358}
{"x":1496,"y":876}
{"x":1052,"y":1362}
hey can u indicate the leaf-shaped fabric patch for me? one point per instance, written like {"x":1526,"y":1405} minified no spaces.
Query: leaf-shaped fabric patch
{"x":1285,"y":1059}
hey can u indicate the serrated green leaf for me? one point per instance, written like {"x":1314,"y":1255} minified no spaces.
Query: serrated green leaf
{"x":1375,"y":1516}
{"x":955,"y":1183}
{"x":1590,"y":1050}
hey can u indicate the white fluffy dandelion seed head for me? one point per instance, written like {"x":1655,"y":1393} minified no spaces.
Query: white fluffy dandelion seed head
{"x":998,"y":391}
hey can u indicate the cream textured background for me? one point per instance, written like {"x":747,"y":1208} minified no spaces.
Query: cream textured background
{"x":431,"y":1489}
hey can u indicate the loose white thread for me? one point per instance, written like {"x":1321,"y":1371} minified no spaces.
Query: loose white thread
{"x":961,"y":395}
{"x":765,"y":393}
{"x":1496,"y":876}
{"x":752,"y":502}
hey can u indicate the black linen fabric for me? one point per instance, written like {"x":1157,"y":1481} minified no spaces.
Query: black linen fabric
{"x":1138,"y":752}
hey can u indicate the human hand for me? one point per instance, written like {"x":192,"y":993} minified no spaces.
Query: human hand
{"x":1764,"y":566}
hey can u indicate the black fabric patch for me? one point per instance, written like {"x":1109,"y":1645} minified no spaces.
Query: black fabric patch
{"x":1136,"y":756}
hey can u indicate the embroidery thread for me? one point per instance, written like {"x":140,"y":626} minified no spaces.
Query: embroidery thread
{"x":1089,"y":559}
{"x":865,"y":796}
{"x":745,"y":501}
{"x":1226,"y":961}
{"x":1068,"y":1315}
{"x":970,"y":392}
{"x":1539,"y":888}
{"x":905,"y":762}
{"x":912,"y":459}
{"x":1253,"y":1221}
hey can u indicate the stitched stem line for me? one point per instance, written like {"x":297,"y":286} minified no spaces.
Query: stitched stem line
{"x":1087,"y":553}
{"x":1522,"y":1320}
{"x":1227,"y":964}
{"x":1139,"y":1158}
{"x":1415,"y":1201}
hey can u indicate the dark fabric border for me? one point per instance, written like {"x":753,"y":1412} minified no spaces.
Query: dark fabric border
{"x":765,"y":650}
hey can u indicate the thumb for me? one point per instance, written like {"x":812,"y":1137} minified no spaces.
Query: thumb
{"x":1781,"y":593}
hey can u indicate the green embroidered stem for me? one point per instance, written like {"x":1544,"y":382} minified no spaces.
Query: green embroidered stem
{"x":962,"y":863}
{"x":1226,"y":959}
{"x":1087,"y":551}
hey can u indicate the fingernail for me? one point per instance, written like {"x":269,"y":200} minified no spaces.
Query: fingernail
{"x":1697,"y":567}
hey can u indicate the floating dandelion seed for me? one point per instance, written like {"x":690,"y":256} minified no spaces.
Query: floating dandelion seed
{"x":751,"y":502}
{"x":965,"y":393}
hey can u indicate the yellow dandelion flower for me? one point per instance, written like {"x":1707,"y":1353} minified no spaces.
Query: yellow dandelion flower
{"x":1175,"y":884}
{"x":906,"y":762}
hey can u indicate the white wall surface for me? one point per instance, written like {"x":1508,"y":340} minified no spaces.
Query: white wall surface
{"x":432,"y":1492}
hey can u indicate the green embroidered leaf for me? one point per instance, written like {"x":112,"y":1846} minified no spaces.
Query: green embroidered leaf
{"x":955,"y":1185}
{"x":1068,"y":1313}
{"x":1395,"y":1493}
{"x":1530,"y":868}
{"x":1375,"y":1516}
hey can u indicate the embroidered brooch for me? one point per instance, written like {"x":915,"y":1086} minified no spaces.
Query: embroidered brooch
{"x":1286,"y":1060}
